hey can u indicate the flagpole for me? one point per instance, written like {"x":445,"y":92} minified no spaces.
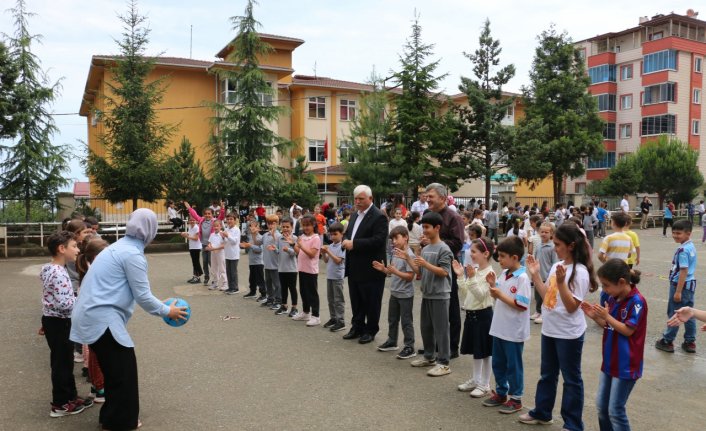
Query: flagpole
{"x":326,"y":166}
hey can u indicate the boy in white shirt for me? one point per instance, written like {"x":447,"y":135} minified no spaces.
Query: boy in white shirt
{"x":194,"y":250}
{"x":231,"y":237}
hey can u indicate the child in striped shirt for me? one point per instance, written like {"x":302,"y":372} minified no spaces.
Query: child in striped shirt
{"x":617,"y":245}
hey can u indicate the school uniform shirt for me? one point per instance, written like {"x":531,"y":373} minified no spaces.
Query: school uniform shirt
{"x":394,"y":223}
{"x":307,"y":264}
{"x":400,"y":288}
{"x":521,"y":233}
{"x":546,"y":256}
{"x":623,"y":356}
{"x":492,"y":219}
{"x":287,"y":259}
{"x":684,"y":257}
{"x":58,"y":295}
{"x":434,"y":287}
{"x":216,"y":241}
{"x":476,"y":290}
{"x":232,"y":243}
{"x":617,"y":245}
{"x":632,"y":259}
{"x":255,"y":250}
{"x":194,"y":244}
{"x":509,"y":323}
{"x":336,"y":271}
{"x":556,"y":321}
{"x":270,"y":258}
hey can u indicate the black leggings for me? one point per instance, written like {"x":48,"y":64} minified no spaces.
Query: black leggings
{"x":195,"y":262}
{"x":665,"y":222}
{"x":308,"y":287}
{"x":288,"y":282}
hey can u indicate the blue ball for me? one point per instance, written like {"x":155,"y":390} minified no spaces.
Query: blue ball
{"x":179,"y":303}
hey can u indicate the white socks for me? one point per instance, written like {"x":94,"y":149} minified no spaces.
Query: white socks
{"x":481,"y":371}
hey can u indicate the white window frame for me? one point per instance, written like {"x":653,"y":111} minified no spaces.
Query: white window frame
{"x":696,"y":96}
{"x":265,"y":98}
{"x":626,"y":67}
{"x":228,"y":97}
{"x":698,"y":63}
{"x":344,"y":152}
{"x":695,"y":127}
{"x":625,"y":131}
{"x":320,"y":146}
{"x":625,"y":97}
{"x":318,"y":101}
{"x":350,"y":107}
{"x":510,"y":112}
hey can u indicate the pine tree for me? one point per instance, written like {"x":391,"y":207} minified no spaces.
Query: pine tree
{"x":243,"y":147}
{"x":134,"y":139}
{"x":32,"y":168}
{"x":419,"y":134}
{"x":481,"y":145}
{"x":561,"y":127}
{"x":186,"y":180}
{"x":9,"y":99}
{"x":302,"y":189}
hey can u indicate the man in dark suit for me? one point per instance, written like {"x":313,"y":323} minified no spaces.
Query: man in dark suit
{"x":364,"y":241}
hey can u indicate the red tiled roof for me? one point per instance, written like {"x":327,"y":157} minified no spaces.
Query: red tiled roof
{"x":82,"y":189}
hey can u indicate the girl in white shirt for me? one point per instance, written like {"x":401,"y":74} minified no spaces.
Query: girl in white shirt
{"x":194,"y":250}
{"x":563,"y":327}
{"x":218,"y":259}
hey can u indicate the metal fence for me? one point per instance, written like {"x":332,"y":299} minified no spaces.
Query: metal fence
{"x":41,"y":210}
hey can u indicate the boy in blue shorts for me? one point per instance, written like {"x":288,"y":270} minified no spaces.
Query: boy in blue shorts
{"x":682,"y":286}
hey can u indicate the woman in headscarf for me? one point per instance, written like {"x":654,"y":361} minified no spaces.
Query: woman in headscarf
{"x":114,"y":282}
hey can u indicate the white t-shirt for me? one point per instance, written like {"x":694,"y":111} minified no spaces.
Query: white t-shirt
{"x":216,"y":241}
{"x":172,"y":213}
{"x":624,"y":205}
{"x":556,"y":321}
{"x":511,"y":324}
{"x":521,"y":233}
{"x":194,"y":244}
{"x":232,"y":243}
{"x":394,"y":223}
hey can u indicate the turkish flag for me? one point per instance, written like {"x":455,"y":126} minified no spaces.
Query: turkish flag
{"x":326,"y":149}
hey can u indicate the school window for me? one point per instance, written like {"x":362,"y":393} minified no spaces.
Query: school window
{"x":609,"y":131}
{"x":317,"y":149}
{"x":697,"y":95}
{"x":580,"y":188}
{"x":605,"y":162}
{"x":695,"y":127}
{"x":659,"y":93}
{"x":317,"y":107}
{"x":662,"y":60}
{"x":658,"y":125}
{"x":625,"y":131}
{"x":345,"y":152}
{"x":626,"y":72}
{"x":266,"y":97}
{"x":602,"y":73}
{"x":698,"y":63}
{"x":348,"y":108}
{"x":606,"y":102}
{"x":510,"y":112}
{"x":656,"y":36}
{"x":626,"y":101}
{"x":229,"y":94}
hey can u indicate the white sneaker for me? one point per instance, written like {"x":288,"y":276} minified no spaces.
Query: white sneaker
{"x":78,"y":357}
{"x":301,"y":316}
{"x":480,"y":391}
{"x":223,"y":288}
{"x":313,"y":321}
{"x":212,"y":286}
{"x":467,"y":386}
{"x":535,"y":315}
{"x":538,"y":320}
{"x":439,"y":370}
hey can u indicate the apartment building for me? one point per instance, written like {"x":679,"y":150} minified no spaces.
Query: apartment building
{"x":648,"y":82}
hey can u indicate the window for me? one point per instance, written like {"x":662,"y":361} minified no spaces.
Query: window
{"x":662,"y":60}
{"x":617,"y":48}
{"x":606,"y":102}
{"x":607,"y":161}
{"x":348,"y":110}
{"x":582,"y":53}
{"x":580,"y":188}
{"x":626,"y":102}
{"x":697,"y":96}
{"x":344,"y":147}
{"x":229,"y":94}
{"x":698,"y":63}
{"x":317,"y":107}
{"x":626,"y":72}
{"x":266,"y":98}
{"x":659,"y":93}
{"x":510,"y":112}
{"x":603,"y":73}
{"x":658,"y":125}
{"x":316,"y":150}
{"x":625,"y":131}
{"x":609,"y":131}
{"x":656,"y":36}
{"x":695,"y":127}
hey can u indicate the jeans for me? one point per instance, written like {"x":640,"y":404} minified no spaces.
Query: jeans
{"x":507,"y":368}
{"x":565,"y":356}
{"x":611,"y":398}
{"x":687,"y":300}
{"x":601,"y":228}
{"x":493,"y":235}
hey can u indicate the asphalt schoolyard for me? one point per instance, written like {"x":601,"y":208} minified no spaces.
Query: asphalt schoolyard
{"x":260,"y":371}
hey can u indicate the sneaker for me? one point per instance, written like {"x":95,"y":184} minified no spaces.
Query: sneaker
{"x":338,"y":326}
{"x":387,"y":346}
{"x":439,"y":370}
{"x":330,"y":323}
{"x":535,"y":315}
{"x":85,"y":402}
{"x":313,"y":321}
{"x":689,"y":346}
{"x":301,"y":317}
{"x":232,"y":292}
{"x":453,"y":354}
{"x":223,"y":288}
{"x":529,"y":420}
{"x":78,"y":357}
{"x":194,"y":280}
{"x":664,"y":346}
{"x":205,"y":281}
{"x":281,"y":310}
{"x":212,"y":286}
{"x":275,"y":306}
{"x":250,"y":295}
{"x":267,"y":303}
{"x":261,"y":299}
{"x":98,"y":395}
{"x":293,"y":312}
{"x":467,"y":386}
{"x":406,"y":353}
{"x":67,"y":409}
{"x":495,"y":400}
{"x":480,"y":391}
{"x":538,"y":320}
{"x":424,"y":362}
{"x":511,"y":406}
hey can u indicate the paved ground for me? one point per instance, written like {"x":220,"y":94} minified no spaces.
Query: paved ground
{"x":263,"y":371}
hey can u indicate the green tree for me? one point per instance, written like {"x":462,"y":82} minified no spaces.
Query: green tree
{"x":9,"y":99}
{"x":31,"y":168}
{"x":302,"y":188}
{"x":561,"y":127}
{"x":243,"y":147}
{"x":368,"y":158}
{"x":625,"y":177}
{"x":16,"y":212}
{"x":186,"y":180}
{"x":419,"y":135}
{"x":481,"y":145}
{"x":133,"y":166}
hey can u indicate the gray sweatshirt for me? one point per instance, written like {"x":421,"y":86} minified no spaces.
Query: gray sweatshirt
{"x":255,"y":250}
{"x":270,"y":258}
{"x":287,"y":259}
{"x":434,"y":287}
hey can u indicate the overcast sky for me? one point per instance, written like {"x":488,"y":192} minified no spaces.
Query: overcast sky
{"x":345,"y":40}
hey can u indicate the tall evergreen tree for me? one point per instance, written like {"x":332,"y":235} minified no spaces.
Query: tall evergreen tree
{"x":132,"y":166}
{"x":419,"y":134}
{"x":243,"y":147}
{"x":9,"y":99}
{"x":561,"y":127}
{"x":185,"y":179}
{"x":302,"y":188}
{"x":31,"y":168}
{"x":481,"y":145}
